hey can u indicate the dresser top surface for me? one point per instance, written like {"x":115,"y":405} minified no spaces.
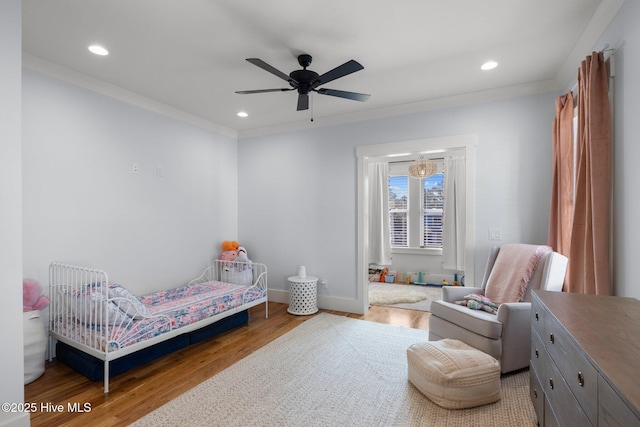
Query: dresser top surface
{"x":608,"y":329}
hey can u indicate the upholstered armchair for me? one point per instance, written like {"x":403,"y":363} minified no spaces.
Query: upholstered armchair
{"x":505,"y":335}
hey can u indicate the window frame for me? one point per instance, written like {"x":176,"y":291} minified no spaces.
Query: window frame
{"x":415,"y":207}
{"x":398,"y":210}
{"x":424,"y":211}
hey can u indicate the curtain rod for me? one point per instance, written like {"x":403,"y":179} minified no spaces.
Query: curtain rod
{"x":608,"y":52}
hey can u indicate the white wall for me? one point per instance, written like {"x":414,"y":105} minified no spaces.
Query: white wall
{"x":624,"y":35}
{"x":12,"y":366}
{"x":83,"y":205}
{"x":297,"y":202}
{"x":305,"y":180}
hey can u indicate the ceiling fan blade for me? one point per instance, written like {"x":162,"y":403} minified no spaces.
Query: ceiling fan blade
{"x":260,"y":63}
{"x":245,"y":92}
{"x":340,"y":71}
{"x":303,"y":101}
{"x":343,"y":94}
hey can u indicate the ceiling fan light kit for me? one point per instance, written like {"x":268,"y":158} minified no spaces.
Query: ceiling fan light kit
{"x":306,"y":81}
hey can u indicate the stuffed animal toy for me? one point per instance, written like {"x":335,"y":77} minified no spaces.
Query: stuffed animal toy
{"x":242,"y":257}
{"x":229,"y":251}
{"x":479,"y":302}
{"x":230,"y":245}
{"x":32,"y":298}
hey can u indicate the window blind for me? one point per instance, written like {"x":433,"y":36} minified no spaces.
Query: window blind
{"x":432,"y":208}
{"x":398,"y":210}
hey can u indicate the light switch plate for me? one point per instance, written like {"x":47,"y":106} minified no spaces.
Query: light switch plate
{"x":495,"y":234}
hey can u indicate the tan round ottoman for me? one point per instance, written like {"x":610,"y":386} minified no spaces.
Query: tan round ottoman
{"x":453,"y":374}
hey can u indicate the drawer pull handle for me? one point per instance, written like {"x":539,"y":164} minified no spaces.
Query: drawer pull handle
{"x":537,"y":354}
{"x":535,"y":393}
{"x":551,"y":383}
{"x":580,"y":379}
{"x":537,"y":317}
{"x":552,"y":339}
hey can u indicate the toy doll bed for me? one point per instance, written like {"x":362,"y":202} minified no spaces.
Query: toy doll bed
{"x":98,"y":323}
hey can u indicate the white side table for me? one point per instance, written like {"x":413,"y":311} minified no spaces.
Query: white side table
{"x":303,"y":295}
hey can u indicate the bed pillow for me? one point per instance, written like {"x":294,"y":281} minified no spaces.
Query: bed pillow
{"x":128,"y":302}
{"x":89,"y":307}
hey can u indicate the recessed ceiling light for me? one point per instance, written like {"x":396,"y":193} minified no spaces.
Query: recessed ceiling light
{"x":243,"y":114}
{"x":489,"y":65}
{"x":98,"y":50}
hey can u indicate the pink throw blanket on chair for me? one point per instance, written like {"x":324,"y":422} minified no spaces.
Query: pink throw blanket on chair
{"x":512,"y":271}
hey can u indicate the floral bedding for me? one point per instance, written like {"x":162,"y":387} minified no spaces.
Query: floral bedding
{"x":192,"y":303}
{"x":167,"y":310}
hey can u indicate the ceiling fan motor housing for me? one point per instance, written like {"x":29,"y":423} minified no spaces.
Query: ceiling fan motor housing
{"x":305,"y":79}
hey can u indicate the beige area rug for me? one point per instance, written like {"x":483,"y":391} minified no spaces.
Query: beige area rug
{"x":333,"y":371}
{"x":403,"y":296}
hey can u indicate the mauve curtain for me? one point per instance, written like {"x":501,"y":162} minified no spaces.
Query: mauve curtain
{"x":379,"y":240}
{"x":561,"y":213}
{"x":454,"y":225}
{"x":589,"y":269}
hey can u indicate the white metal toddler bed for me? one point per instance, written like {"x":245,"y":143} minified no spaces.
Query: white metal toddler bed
{"x":106,"y":321}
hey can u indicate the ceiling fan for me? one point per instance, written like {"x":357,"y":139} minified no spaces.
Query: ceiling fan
{"x":306,"y":81}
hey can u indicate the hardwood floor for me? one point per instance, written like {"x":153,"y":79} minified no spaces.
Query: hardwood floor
{"x":139,"y":391}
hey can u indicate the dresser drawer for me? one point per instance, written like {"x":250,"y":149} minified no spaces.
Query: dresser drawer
{"x":538,"y":316}
{"x":537,"y":395}
{"x":537,"y":352}
{"x":577,"y":370}
{"x":563,"y":402}
{"x":550,"y":419}
{"x":612,"y":411}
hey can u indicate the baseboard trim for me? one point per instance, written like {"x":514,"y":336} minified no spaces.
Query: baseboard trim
{"x":16,"y":420}
{"x":324,"y":301}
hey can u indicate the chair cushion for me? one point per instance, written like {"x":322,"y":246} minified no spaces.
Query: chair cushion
{"x":476,"y":321}
{"x":453,"y":374}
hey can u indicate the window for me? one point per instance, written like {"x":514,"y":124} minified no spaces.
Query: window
{"x":415,"y":208}
{"x":398,"y":212}
{"x":432,"y":208}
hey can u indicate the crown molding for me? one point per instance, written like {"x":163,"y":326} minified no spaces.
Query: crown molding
{"x":433,"y":104}
{"x":59,"y":72}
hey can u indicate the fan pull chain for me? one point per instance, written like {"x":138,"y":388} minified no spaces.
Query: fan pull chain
{"x":311,"y":99}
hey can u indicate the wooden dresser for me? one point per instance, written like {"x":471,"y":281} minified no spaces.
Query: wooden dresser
{"x":585,"y":359}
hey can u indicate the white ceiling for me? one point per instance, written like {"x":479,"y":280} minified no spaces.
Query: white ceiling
{"x":188,"y":56}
